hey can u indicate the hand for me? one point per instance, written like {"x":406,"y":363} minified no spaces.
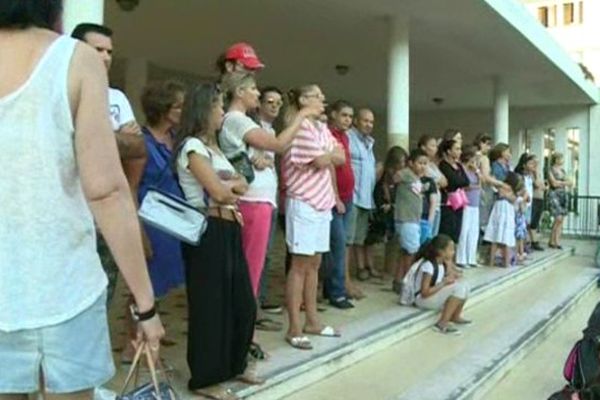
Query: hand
{"x":130,"y":128}
{"x":448,"y":280}
{"x":386,"y":207}
{"x":339,"y":206}
{"x":262,"y":162}
{"x":151,"y":332}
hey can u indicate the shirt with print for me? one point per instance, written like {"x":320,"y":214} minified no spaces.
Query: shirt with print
{"x":303,"y":181}
{"x":236,"y":125}
{"x":120,"y":109}
{"x":409,"y":197}
{"x":429,"y":193}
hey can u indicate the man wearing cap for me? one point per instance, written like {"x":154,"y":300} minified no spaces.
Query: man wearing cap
{"x":239,"y":57}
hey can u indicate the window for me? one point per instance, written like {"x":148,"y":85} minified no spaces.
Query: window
{"x":568,"y":13}
{"x":543,"y":15}
{"x":581,"y":12}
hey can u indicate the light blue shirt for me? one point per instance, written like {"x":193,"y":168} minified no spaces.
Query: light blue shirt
{"x":364,"y":167}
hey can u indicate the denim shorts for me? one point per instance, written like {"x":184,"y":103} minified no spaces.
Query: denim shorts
{"x":74,"y":355}
{"x":409,"y":234}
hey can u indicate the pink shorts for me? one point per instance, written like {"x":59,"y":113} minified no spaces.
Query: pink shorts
{"x":255,"y":237}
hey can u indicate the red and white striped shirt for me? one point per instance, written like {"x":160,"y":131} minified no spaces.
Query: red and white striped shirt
{"x":304,"y":181}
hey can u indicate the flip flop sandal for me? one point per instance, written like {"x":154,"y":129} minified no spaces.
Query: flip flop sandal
{"x":257,"y":352}
{"x":327,"y":331}
{"x":373,"y":273}
{"x":267,"y":324}
{"x":299,"y":342}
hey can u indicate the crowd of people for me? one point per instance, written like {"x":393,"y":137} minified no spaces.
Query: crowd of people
{"x":247,"y":157}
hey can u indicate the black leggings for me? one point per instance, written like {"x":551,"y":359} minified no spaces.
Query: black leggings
{"x":451,"y":223}
{"x":537,"y":207}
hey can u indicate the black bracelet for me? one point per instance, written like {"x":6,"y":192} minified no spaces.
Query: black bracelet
{"x":145,"y":316}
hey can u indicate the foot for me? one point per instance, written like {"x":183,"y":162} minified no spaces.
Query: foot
{"x":462,"y":321}
{"x":267,"y":324}
{"x":354,"y":292}
{"x":536,"y":246}
{"x":299,"y":342}
{"x":446,"y":329}
{"x":363,"y":275}
{"x":250,"y":376}
{"x":342,"y":303}
{"x":473,"y":266}
{"x":373,"y":273}
{"x":257,"y":352}
{"x":216,"y":392}
{"x":271,"y":308}
{"x":325,"y":331}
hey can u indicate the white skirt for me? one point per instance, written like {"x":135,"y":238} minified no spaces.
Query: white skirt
{"x":501,"y":227}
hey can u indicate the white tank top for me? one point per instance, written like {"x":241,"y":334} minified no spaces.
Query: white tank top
{"x":49,"y":267}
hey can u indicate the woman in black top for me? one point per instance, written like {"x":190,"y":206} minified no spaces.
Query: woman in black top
{"x":450,"y":166}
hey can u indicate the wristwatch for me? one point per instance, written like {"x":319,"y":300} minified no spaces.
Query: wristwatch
{"x":141,"y":317}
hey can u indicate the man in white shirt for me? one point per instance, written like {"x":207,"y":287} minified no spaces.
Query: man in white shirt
{"x":130,"y":141}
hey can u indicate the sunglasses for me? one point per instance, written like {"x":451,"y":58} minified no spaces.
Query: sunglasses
{"x":277,"y":103}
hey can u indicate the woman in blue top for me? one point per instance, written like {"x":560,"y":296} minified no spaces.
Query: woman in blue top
{"x":162,"y":103}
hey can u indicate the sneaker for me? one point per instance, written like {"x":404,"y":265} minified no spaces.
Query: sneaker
{"x":342,"y":303}
{"x":447,"y":330}
{"x":271,"y":308}
{"x":473,"y":266}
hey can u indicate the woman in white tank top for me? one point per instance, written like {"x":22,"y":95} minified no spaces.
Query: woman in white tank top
{"x":60,"y":172}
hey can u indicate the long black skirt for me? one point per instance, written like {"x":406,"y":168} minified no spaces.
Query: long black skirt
{"x":451,"y":223}
{"x":221,"y":305}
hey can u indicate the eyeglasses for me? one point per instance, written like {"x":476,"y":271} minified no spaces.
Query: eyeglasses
{"x":276,"y":103}
{"x":319,"y":96}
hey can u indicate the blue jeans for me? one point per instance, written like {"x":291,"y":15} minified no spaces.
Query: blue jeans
{"x":263,"y":286}
{"x":335,"y":281}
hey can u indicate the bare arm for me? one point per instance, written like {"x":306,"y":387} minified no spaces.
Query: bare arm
{"x":130,"y":141}
{"x":204,"y":173}
{"x":428,"y":290}
{"x":104,"y":183}
{"x":432,"y":208}
{"x":486,"y":174}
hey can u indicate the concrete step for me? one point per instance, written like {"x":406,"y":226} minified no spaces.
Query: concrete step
{"x":540,"y":373}
{"x":431,"y":366}
{"x":290,"y":370}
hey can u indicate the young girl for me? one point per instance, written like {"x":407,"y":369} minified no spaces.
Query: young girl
{"x":440,"y":289}
{"x":501,"y":227}
{"x":526,"y":169}
{"x":469,"y":234}
{"x":381,"y":225}
{"x":521,"y":224}
{"x":408,"y":211}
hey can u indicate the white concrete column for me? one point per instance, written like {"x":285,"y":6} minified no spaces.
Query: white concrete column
{"x":516,"y":141}
{"x":136,"y":77}
{"x":398,"y":83}
{"x":501,"y":111}
{"x":589,"y":152}
{"x":78,"y":11}
{"x":537,"y":147}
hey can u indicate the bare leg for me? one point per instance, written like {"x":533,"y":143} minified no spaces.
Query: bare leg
{"x":506,"y":256}
{"x":493,"y":250}
{"x":559,"y":229}
{"x":457,"y":313}
{"x":405,"y":263}
{"x":452,"y":304}
{"x":369,"y":256}
{"x":310,"y":291}
{"x":294,"y":290}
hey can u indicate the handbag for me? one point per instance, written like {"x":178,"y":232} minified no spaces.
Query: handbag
{"x":457,"y":200}
{"x":172,"y":214}
{"x":243,"y":165}
{"x":153,"y":390}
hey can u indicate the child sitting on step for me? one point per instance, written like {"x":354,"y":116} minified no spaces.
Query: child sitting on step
{"x":439,"y":287}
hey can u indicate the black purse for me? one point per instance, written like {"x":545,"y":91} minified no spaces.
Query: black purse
{"x":243,"y":165}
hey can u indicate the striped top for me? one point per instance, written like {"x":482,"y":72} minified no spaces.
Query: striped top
{"x":304,"y":181}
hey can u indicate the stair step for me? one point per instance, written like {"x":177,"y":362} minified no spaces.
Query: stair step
{"x":431,"y":366}
{"x":290,"y":370}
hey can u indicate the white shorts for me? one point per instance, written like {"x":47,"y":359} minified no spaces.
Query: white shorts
{"x":460,"y":290}
{"x":306,"y":229}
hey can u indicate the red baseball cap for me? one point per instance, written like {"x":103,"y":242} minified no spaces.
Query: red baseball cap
{"x":245,"y":54}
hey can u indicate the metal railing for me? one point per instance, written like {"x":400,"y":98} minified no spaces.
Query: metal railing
{"x":583,"y":219}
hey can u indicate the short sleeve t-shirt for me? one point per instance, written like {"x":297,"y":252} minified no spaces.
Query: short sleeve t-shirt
{"x":120,"y":109}
{"x":428,"y":268}
{"x":429,"y":190}
{"x":409,"y":201}
{"x":236,"y":125}
{"x":192,"y":189}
